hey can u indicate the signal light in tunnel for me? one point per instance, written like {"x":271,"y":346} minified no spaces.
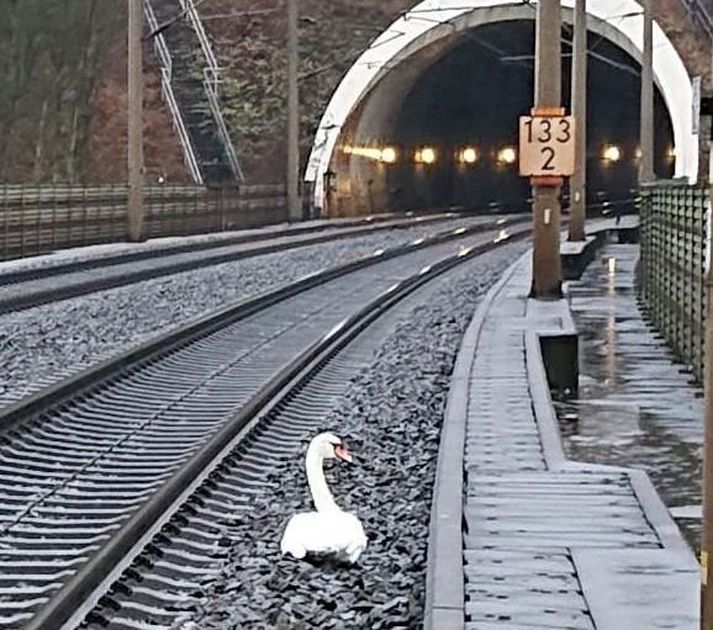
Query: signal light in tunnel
{"x":389,"y":155}
{"x":468,"y":155}
{"x":611,"y":153}
{"x":507,"y":155}
{"x":367,"y":152}
{"x":427,"y":155}
{"x":385,"y":154}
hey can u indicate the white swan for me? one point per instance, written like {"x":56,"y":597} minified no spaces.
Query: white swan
{"x":329,"y":530}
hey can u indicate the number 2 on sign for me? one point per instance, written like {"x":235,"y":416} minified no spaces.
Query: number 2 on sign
{"x":549,"y":154}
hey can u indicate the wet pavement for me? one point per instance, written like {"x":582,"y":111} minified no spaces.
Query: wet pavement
{"x":636,"y":406}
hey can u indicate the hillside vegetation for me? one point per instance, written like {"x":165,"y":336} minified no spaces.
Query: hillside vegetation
{"x":50,"y":55}
{"x":250,"y":41}
{"x":63,"y":95}
{"x":63,"y":84}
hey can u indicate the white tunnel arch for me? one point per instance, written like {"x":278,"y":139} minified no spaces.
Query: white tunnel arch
{"x":619,"y":21}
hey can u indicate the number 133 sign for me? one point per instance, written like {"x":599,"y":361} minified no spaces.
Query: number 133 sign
{"x":546,"y":146}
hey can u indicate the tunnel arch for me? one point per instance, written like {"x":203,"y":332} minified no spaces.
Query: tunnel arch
{"x":367,"y":100}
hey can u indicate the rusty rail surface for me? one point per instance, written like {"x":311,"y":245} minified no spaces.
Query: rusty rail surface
{"x":41,"y":219}
{"x":673,"y":251}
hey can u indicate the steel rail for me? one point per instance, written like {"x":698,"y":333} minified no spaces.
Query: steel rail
{"x":79,"y":461}
{"x":248,"y":236}
{"x":79,"y":595}
{"x":187,"y":333}
{"x":82,"y":278}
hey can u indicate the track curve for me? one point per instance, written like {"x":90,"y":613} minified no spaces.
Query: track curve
{"x":91,"y":463}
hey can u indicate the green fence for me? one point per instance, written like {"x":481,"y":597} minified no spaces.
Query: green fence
{"x":673,"y":252}
{"x":40,"y":219}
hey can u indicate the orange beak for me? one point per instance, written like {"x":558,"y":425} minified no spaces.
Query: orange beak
{"x":342,"y":453}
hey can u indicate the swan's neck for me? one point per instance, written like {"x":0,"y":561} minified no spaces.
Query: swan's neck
{"x":322,"y":497}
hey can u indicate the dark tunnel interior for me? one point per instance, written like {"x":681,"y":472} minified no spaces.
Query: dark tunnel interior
{"x":473,"y":96}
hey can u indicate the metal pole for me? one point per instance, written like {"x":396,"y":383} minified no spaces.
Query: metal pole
{"x":294,"y":206}
{"x":707,"y":537}
{"x":646,"y":170}
{"x":578,"y":181}
{"x":546,"y":267}
{"x":707,"y":534}
{"x":136,"y":152}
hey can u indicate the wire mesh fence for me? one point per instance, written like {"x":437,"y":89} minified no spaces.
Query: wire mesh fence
{"x":673,"y":250}
{"x":37,"y":220}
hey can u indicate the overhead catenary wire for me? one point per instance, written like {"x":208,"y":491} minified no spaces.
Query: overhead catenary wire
{"x":700,"y":15}
{"x":241,"y":14}
{"x":523,"y":59}
{"x":415,"y":14}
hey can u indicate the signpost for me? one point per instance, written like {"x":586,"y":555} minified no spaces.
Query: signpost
{"x":546,"y":145}
{"x":547,"y":155}
{"x":541,"y":153}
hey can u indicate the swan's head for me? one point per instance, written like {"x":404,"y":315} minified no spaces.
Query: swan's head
{"x":329,"y":446}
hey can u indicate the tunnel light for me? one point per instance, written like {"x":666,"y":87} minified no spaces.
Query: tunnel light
{"x":389,"y":155}
{"x":507,"y":155}
{"x":427,"y":155}
{"x":611,"y":153}
{"x":468,"y":155}
{"x":671,"y":153}
{"x":371,"y":153}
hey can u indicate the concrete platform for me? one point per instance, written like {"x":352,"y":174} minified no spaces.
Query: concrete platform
{"x":544,"y":542}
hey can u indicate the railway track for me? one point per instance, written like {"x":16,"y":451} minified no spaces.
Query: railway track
{"x":106,"y":456}
{"x":26,"y":288}
{"x":60,"y":267}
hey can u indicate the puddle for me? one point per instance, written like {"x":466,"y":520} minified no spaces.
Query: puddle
{"x":635,"y":406}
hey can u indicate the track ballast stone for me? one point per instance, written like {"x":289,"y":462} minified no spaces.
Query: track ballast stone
{"x":390,"y":419}
{"x":42,"y":345}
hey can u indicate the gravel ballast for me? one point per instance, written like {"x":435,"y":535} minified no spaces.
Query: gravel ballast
{"x":41,"y":345}
{"x":390,"y":418}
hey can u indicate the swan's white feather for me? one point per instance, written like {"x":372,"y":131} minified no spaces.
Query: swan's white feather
{"x":335,"y":532}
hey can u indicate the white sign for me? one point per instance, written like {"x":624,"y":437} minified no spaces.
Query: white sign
{"x":546,"y":146}
{"x":696,"y":105}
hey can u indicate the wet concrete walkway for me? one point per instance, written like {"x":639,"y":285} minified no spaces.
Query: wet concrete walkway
{"x":635,"y":406}
{"x":548,"y":542}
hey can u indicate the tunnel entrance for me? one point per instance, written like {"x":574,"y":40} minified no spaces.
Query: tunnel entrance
{"x":440,"y":82}
{"x":466,"y":105}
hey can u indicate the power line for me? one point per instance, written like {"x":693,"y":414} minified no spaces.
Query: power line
{"x":699,"y":14}
{"x":240,"y":14}
{"x":521,"y":59}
